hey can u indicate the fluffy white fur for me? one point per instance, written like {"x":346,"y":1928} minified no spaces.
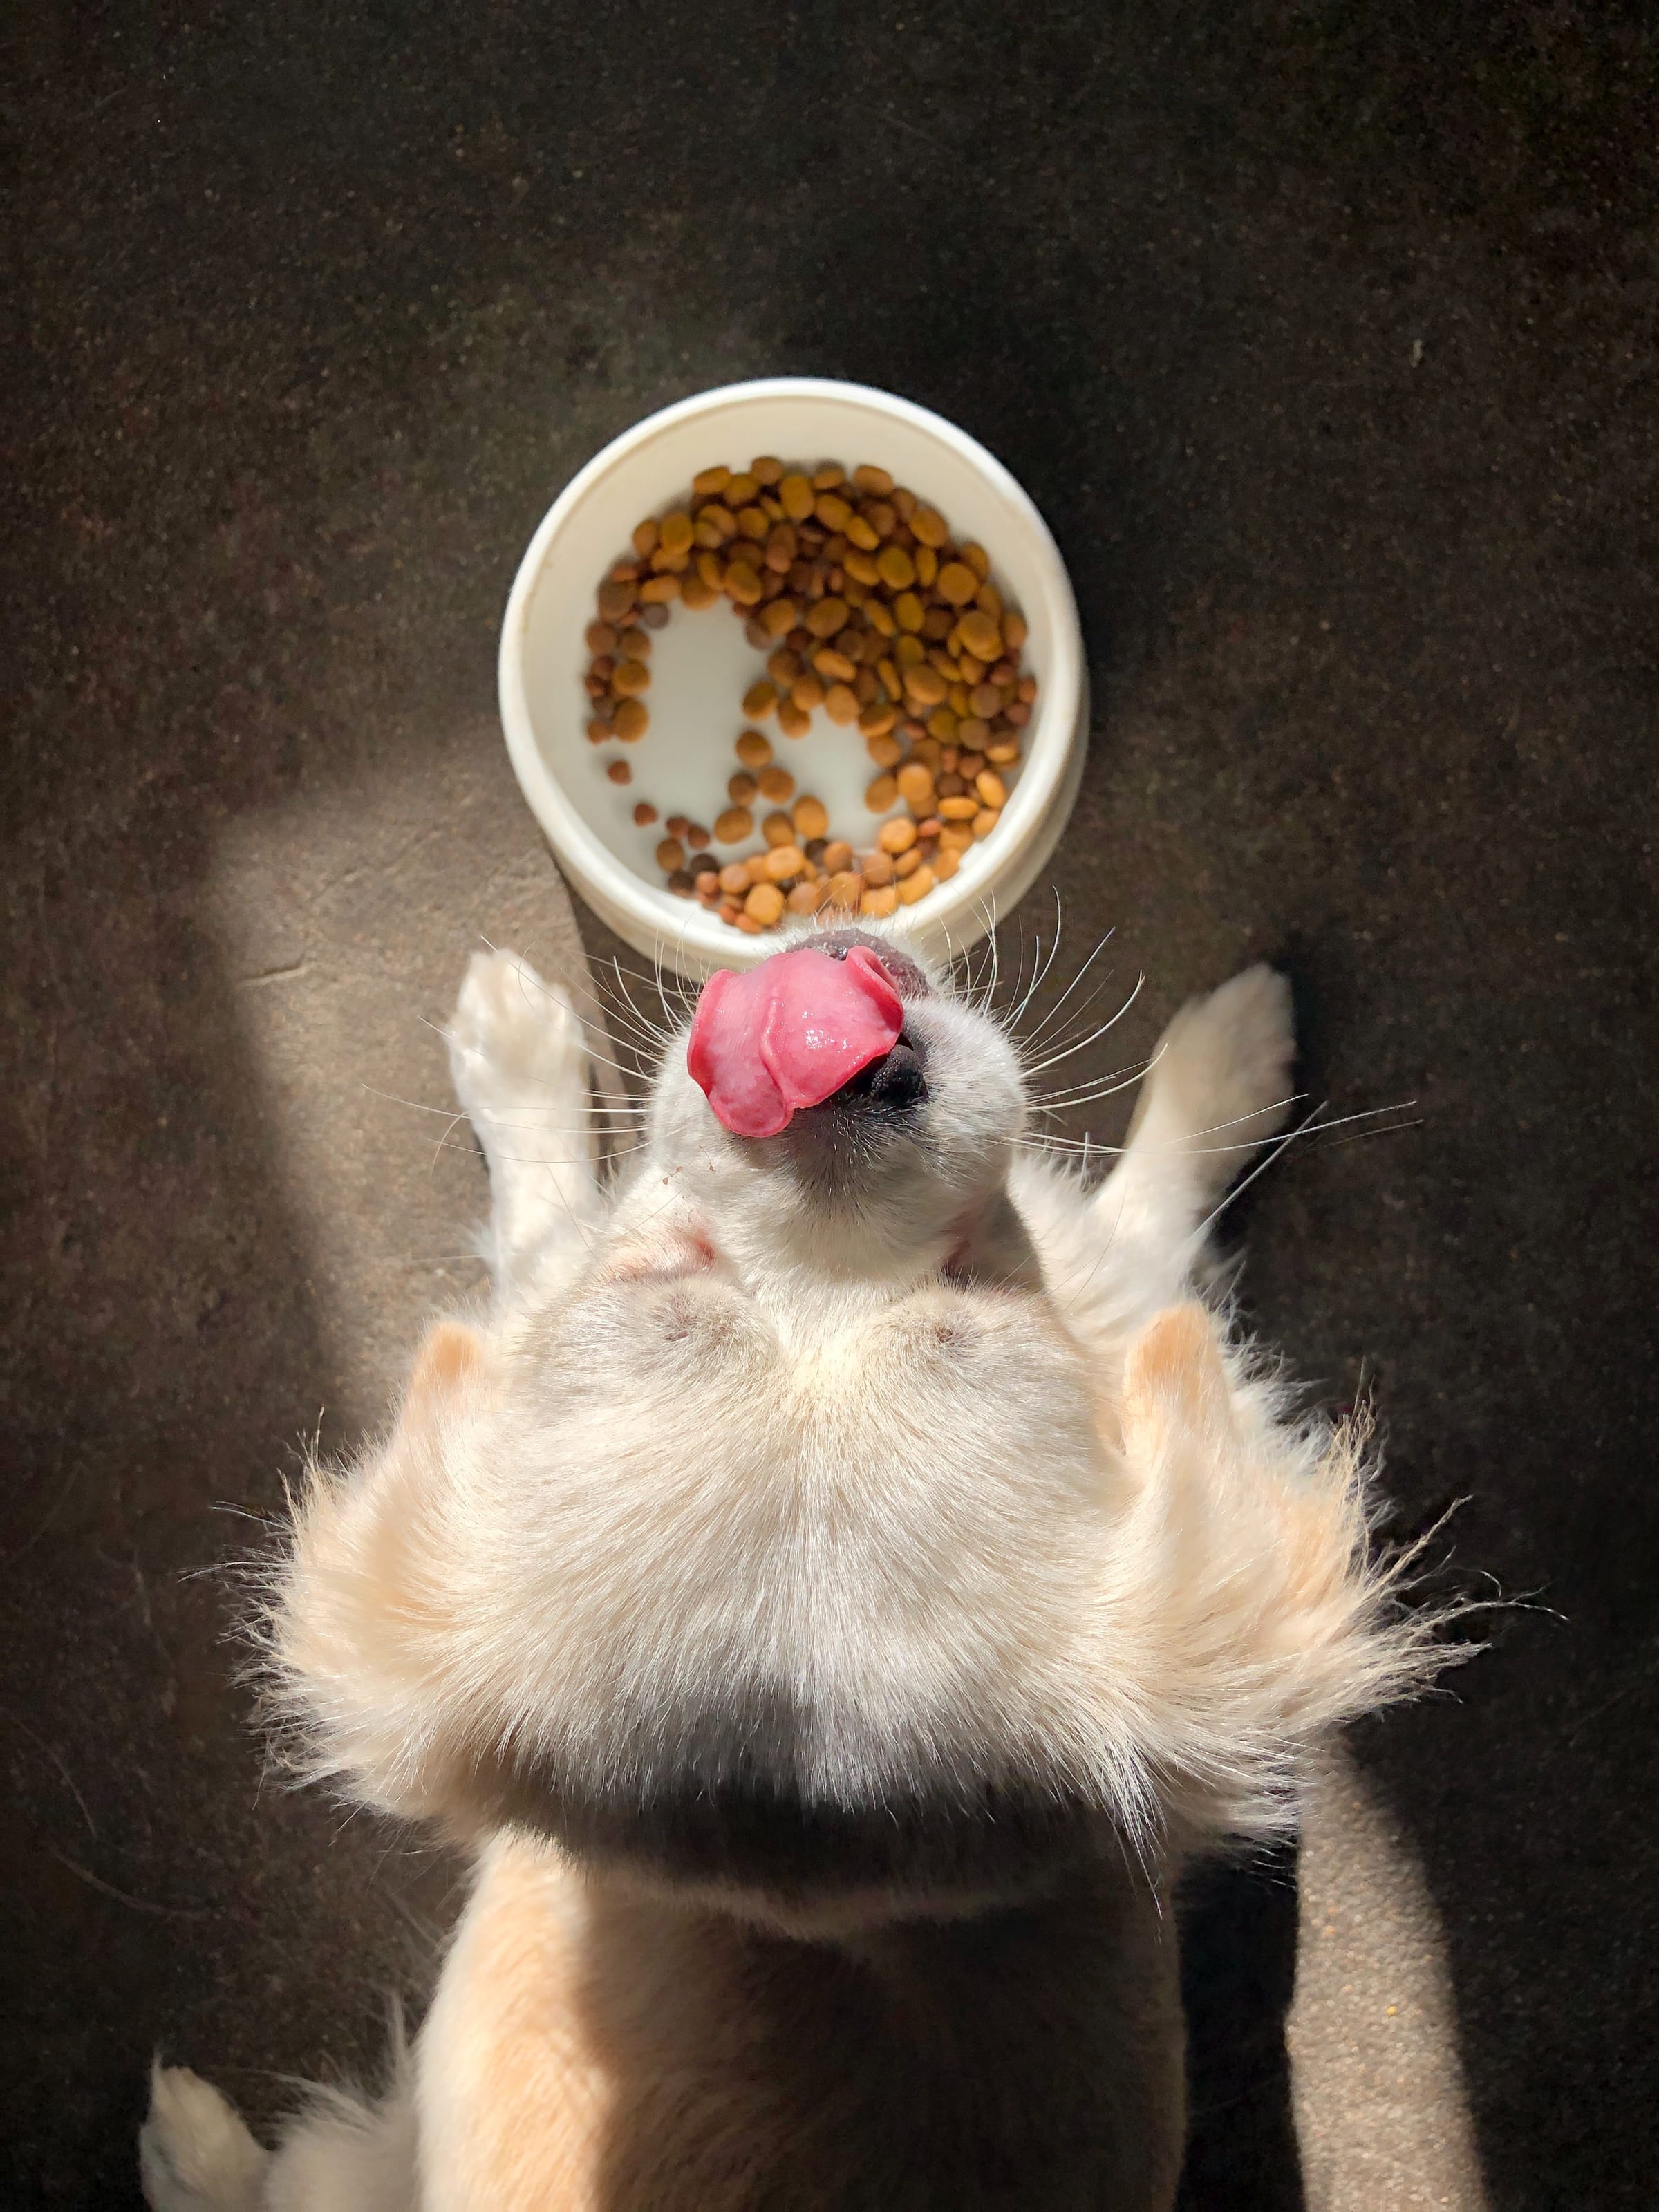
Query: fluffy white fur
{"x":831,"y":1591}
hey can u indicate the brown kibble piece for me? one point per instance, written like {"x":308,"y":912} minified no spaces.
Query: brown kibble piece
{"x":601,"y":638}
{"x":777,"y":784}
{"x":834,"y":667}
{"x":793,"y":721}
{"x":697,"y":837}
{"x":895,"y":568}
{"x":908,"y":862}
{"x":633,"y":721}
{"x":882,"y":901}
{"x":1014,"y":631}
{"x":644,"y":814}
{"x":733,"y":826}
{"x":676,"y":532}
{"x":841,"y":703}
{"x":827,"y":617}
{"x":896,"y":835}
{"x":741,"y":788}
{"x":764,"y":904}
{"x":671,"y":855}
{"x":927,"y":526}
{"x":598,"y":730}
{"x":696,"y":593}
{"x":831,"y":511}
{"x":875,"y":482}
{"x":759,"y":700}
{"x":767,"y":469}
{"x":811,"y":817}
{"x":784,"y":862}
{"x":960,"y":808}
{"x":614,"y":600}
{"x":927,"y":562}
{"x":987,"y":820}
{"x":658,"y":591}
{"x":777,"y":616}
{"x":915,"y":786}
{"x":916,"y":885}
{"x":630,"y":677}
{"x":807,"y":898}
{"x":681,"y":882}
{"x":1004,"y":753}
{"x":778,"y":829}
{"x":620,"y":772}
{"x":837,"y":857}
{"x":975,"y":557}
{"x":734,"y":879}
{"x":807,"y":692}
{"x":908,"y":611}
{"x":875,"y":722}
{"x":944,"y":864}
{"x":796,"y":494}
{"x":991,"y":788}
{"x":677,"y":824}
{"x":742,"y":584}
{"x":980,"y":634}
{"x":924,"y":685}
{"x":846,"y":888}
{"x":754,"y":749}
{"x":885,"y":751}
{"x":709,"y":483}
{"x":880,"y":794}
{"x":878,"y":869}
{"x":957,"y":582}
{"x":654,"y":617}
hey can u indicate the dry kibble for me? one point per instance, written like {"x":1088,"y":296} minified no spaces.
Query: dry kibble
{"x":980,"y":634}
{"x":853,"y":592}
{"x":915,"y":786}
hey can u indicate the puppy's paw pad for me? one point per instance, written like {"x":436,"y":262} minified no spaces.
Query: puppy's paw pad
{"x":514,"y":1039}
{"x":1224,"y":1064}
{"x":194,"y":2153}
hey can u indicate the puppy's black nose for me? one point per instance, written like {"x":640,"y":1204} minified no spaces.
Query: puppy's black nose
{"x":895,"y":1082}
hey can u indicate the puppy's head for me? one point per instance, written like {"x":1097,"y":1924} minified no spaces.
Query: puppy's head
{"x":841,"y":1109}
{"x":823,"y":1586}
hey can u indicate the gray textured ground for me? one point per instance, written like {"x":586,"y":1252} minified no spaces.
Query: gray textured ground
{"x":1324,"y":336}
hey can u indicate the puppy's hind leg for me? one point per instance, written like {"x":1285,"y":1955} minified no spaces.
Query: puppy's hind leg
{"x":194,"y":2153}
{"x":521,"y":1071}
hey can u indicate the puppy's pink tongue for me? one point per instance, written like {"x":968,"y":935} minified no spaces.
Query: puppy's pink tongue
{"x":789,"y":1033}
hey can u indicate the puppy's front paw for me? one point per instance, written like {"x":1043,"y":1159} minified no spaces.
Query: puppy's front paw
{"x":514,"y":1041}
{"x":1221,"y":1077}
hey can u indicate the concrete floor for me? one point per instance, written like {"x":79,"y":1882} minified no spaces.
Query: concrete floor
{"x":1325,"y":338}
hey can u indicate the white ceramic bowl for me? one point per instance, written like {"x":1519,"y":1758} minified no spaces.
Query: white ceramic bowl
{"x":701,"y":664}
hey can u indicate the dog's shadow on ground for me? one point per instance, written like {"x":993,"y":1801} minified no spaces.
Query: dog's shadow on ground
{"x":1238,"y":1940}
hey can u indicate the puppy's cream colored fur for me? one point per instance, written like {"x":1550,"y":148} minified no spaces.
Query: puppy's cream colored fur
{"x":831,"y":1591}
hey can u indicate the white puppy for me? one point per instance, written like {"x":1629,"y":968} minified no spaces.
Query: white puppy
{"x":830,"y":1593}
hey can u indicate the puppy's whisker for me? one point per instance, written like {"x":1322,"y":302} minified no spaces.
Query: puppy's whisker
{"x":1094,"y":1035}
{"x":1053,"y":1013}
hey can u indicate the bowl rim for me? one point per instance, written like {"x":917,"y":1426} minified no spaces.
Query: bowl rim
{"x":1061,"y":731}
